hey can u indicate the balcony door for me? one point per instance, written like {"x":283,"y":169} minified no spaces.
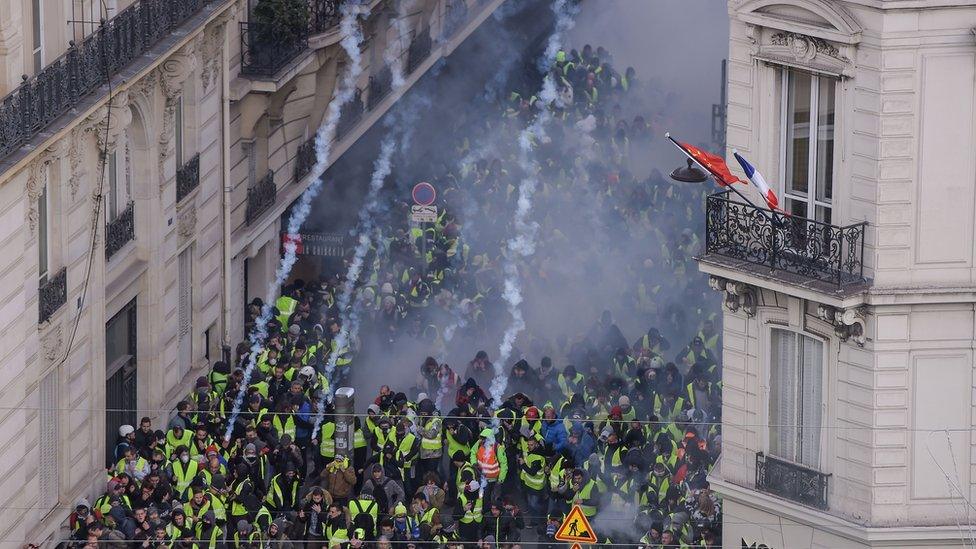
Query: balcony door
{"x":807,"y":144}
{"x":120,"y":375}
{"x":796,"y":389}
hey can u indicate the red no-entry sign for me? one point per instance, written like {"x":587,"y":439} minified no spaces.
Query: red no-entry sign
{"x":424,"y":194}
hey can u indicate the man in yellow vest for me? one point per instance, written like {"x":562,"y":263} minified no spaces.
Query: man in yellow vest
{"x":532,"y":472}
{"x":431,"y":441}
{"x":182,"y":471}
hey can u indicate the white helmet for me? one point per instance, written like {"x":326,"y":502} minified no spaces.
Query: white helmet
{"x":126,"y":430}
{"x":307,"y":372}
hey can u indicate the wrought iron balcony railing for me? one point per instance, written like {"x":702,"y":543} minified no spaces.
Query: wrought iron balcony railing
{"x":419,"y":50}
{"x":66,"y":81}
{"x":791,"y":481}
{"x":305,"y":159}
{"x":119,"y":231}
{"x":457,"y":14}
{"x":380,"y":86}
{"x":350,"y":115}
{"x":187,"y":178}
{"x":261,"y":197}
{"x":266,"y":47}
{"x":800,"y":246}
{"x":52,"y":295}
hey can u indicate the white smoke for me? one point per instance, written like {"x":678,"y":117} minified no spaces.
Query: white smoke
{"x":393,"y":55}
{"x":351,"y":41}
{"x":522,"y":244}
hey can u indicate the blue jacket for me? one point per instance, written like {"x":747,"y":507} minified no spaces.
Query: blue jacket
{"x":585,"y":446}
{"x":303,"y":420}
{"x":555,"y":433}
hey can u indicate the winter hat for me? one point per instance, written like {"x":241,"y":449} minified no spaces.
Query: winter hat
{"x":400,"y":510}
{"x":83,"y":502}
{"x":624,"y":400}
{"x":386,"y":288}
{"x":373,"y":408}
{"x":421,"y":396}
{"x":244,"y":526}
{"x":250,"y":448}
{"x":294,"y":330}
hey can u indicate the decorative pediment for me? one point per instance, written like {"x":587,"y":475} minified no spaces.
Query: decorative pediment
{"x":814,"y":18}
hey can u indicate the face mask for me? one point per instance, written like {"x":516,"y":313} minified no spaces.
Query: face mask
{"x":250,"y":459}
{"x":185,"y":458}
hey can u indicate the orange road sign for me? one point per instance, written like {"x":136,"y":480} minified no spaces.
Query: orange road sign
{"x":576,"y":528}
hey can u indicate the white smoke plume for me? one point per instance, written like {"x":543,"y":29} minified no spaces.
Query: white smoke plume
{"x":394,"y":52}
{"x":522,"y":244}
{"x":351,"y":41}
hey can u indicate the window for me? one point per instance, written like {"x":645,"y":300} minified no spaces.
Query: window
{"x":795,"y":397}
{"x":37,"y":28}
{"x":247,"y":146}
{"x":186,"y":311}
{"x":43,"y":253}
{"x":178,"y":123}
{"x":48,"y":444}
{"x":118,"y":180}
{"x":120,"y":376}
{"x":807,"y":149}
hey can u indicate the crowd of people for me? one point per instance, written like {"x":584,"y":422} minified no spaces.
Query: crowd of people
{"x":626,"y":430}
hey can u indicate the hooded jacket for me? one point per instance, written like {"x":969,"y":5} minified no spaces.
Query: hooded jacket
{"x":554,"y":432}
{"x":386,"y":491}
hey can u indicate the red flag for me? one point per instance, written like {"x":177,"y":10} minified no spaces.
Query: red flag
{"x":713,"y":164}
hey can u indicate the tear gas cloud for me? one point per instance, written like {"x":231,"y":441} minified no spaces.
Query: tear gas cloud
{"x":582,"y":259}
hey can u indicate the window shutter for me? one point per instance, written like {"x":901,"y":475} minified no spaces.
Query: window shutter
{"x":48,"y":473}
{"x":185,"y":311}
{"x":811,"y":356}
{"x":782,"y":394}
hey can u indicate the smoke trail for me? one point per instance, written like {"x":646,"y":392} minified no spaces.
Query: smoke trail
{"x":352,"y":38}
{"x":522,"y":245}
{"x":350,"y":316}
{"x":393,"y":55}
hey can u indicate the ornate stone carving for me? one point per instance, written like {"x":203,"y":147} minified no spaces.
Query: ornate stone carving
{"x":210,"y":49}
{"x":75,"y":159}
{"x":806,"y":47}
{"x":33,"y":192}
{"x":108,"y":128}
{"x":147,"y":86}
{"x":848,"y":323}
{"x":52,"y":342}
{"x":738,"y":295}
{"x":186,"y":224}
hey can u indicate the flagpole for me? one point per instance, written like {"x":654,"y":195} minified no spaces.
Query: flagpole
{"x":730,"y":187}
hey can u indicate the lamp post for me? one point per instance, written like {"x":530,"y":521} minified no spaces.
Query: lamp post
{"x":689,"y":174}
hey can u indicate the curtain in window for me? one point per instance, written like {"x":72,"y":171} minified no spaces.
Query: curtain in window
{"x":811,"y":396}
{"x":782,"y":395}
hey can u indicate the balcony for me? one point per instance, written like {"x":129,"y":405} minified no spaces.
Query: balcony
{"x":260,"y":197}
{"x":350,"y":115}
{"x":51,"y":295}
{"x":380,"y":86}
{"x":305,"y":159}
{"x":790,"y":249}
{"x":419,"y":50}
{"x":791,"y":481}
{"x":119,"y":231}
{"x":187,"y":178}
{"x":269,"y":41}
{"x":66,"y":81}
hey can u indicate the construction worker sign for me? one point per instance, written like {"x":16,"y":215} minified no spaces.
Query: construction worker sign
{"x":575,"y":528}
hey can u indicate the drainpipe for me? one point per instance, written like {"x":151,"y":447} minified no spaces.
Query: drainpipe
{"x":226,"y":184}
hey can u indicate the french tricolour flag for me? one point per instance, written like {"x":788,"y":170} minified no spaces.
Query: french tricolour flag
{"x":759,"y":181}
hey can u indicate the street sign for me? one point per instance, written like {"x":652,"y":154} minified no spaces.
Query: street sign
{"x":423,"y":214}
{"x":576,"y":528}
{"x":317,"y":244}
{"x":424,"y":194}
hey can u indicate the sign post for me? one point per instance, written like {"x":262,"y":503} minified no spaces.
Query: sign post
{"x":423,"y":212}
{"x":576,"y":529}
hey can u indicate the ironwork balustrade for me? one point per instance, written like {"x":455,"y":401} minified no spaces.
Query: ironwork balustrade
{"x":261,"y":197}
{"x":187,"y":178}
{"x":51,"y":295}
{"x":305,"y":159}
{"x":380,"y":86}
{"x":797,"y":245}
{"x":266,"y":47}
{"x":457,"y":14}
{"x":791,"y":481}
{"x":66,"y":81}
{"x":419,"y":50}
{"x":350,"y":115}
{"x":119,"y":231}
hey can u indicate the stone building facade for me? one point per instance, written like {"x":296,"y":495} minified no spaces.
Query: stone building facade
{"x":849,"y":325}
{"x":139,"y":179}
